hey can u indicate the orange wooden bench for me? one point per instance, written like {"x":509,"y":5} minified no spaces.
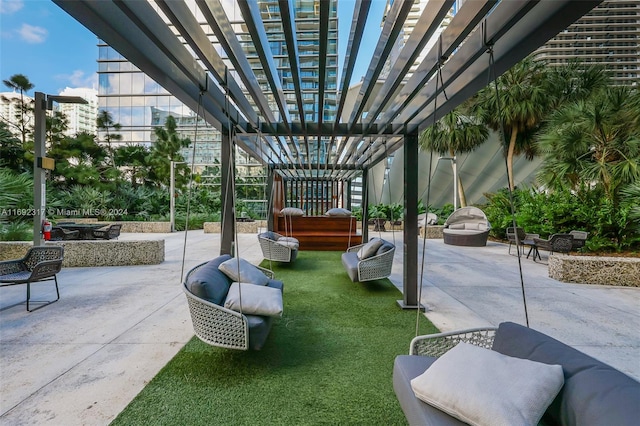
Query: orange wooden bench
{"x":320,"y":232}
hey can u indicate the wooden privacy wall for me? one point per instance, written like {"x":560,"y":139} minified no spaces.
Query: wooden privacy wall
{"x":314,"y":230}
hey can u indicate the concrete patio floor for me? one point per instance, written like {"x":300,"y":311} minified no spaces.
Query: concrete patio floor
{"x":81,"y":360}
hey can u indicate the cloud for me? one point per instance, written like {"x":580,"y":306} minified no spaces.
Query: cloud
{"x":32,"y":34}
{"x":10,"y":6}
{"x":78,"y":78}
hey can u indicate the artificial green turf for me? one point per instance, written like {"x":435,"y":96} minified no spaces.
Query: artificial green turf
{"x":328,"y":360}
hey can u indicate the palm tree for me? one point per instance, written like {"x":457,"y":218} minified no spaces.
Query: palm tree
{"x":527,"y":94}
{"x":594,"y":141}
{"x":518,"y":107}
{"x":454,"y":134}
{"x":105,"y":122}
{"x":165,"y":149}
{"x":21,"y":83}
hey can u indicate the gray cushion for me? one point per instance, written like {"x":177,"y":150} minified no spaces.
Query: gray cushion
{"x":209,"y":283}
{"x":385,"y":247}
{"x":350,"y":262}
{"x":254,"y":300}
{"x":270,"y":235}
{"x":246,"y":272}
{"x":594,"y":393}
{"x":291,"y":211}
{"x":338,"y":212}
{"x":369,"y":249}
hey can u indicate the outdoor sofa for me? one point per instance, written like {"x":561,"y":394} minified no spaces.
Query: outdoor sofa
{"x":467,"y":226}
{"x":593,"y":392}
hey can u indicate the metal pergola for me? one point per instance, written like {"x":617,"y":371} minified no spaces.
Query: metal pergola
{"x":166,"y":40}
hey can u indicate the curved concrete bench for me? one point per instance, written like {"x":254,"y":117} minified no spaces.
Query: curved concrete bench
{"x":97,"y":252}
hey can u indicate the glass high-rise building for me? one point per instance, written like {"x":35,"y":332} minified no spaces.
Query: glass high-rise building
{"x":139,"y":104}
{"x":609,"y":35}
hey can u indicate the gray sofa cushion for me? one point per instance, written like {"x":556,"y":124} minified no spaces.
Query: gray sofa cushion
{"x":240,"y":270}
{"x":270,"y":235}
{"x":369,"y":249}
{"x":406,"y":368}
{"x":260,"y":326}
{"x":594,"y":393}
{"x":350,"y":261}
{"x":385,"y":247}
{"x":209,"y":283}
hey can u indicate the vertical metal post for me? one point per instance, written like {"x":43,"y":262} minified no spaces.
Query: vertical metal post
{"x":39,"y":175}
{"x":365,"y":205}
{"x":270,"y":200}
{"x":410,"y":264}
{"x":455,"y":183}
{"x":227,"y":165}
{"x":172,"y":197}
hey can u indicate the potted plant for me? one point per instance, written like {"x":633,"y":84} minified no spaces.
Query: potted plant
{"x":395,"y":213}
{"x":378,"y":216}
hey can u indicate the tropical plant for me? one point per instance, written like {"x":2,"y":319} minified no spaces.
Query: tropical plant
{"x":377,"y":211}
{"x":22,"y":84}
{"x":631,"y":200}
{"x":564,"y":210}
{"x":12,"y":152}
{"x":16,"y":195}
{"x":165,"y":150}
{"x":104,"y":123}
{"x":132,"y":161}
{"x":594,"y":142}
{"x":518,"y":106}
{"x":16,"y":231}
{"x":454,"y":134}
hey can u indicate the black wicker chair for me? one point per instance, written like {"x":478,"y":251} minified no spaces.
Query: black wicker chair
{"x":579,"y":239}
{"x":39,"y":264}
{"x":557,"y":243}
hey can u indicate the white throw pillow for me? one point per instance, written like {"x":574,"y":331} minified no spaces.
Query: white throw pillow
{"x":291,"y":211}
{"x":252,"y":299}
{"x":369,"y":249}
{"x":483,"y":387}
{"x":246,"y":273}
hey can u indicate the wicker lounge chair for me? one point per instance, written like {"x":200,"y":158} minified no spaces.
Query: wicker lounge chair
{"x":376,"y":267}
{"x":467,"y":226}
{"x":277,"y":248}
{"x":39,"y":264}
{"x":212,"y":322}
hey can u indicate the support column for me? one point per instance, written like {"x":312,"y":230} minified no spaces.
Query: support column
{"x":228,"y":222}
{"x":410,"y":264}
{"x":365,"y":205}
{"x":270,"y":201}
{"x":39,"y":175}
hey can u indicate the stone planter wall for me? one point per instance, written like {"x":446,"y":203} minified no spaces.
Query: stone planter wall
{"x":620,"y":271}
{"x":242,"y":227}
{"x":432,"y":232}
{"x":96,"y":252}
{"x":130,"y":226}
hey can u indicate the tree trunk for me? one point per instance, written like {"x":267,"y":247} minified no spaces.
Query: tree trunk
{"x":512,"y":148}
{"x":463,"y":198}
